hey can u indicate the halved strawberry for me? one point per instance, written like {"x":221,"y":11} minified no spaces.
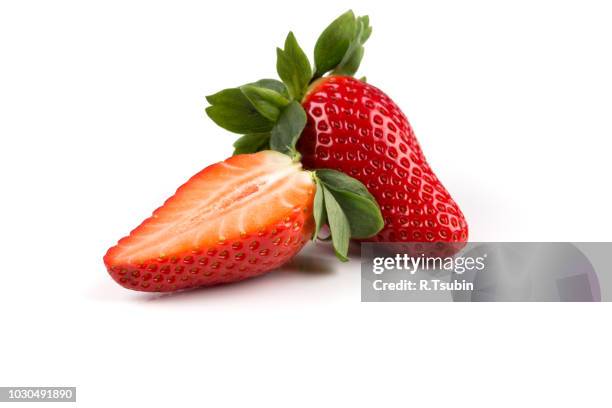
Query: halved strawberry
{"x":233,"y":220}
{"x":238,"y":219}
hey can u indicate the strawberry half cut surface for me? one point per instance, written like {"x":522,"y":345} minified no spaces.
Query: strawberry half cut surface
{"x":238,"y":219}
{"x":233,"y":220}
{"x":343,"y":123}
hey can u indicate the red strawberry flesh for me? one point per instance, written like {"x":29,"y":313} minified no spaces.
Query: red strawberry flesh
{"x":233,"y":220}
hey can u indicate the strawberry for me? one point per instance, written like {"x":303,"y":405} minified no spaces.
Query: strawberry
{"x":355,"y":128}
{"x":350,"y":126}
{"x":238,"y":219}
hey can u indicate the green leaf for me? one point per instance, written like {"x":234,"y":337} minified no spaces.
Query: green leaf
{"x":333,"y":43}
{"x":363,"y":215}
{"x":274,"y":85}
{"x":267,"y":102}
{"x":318,"y":209}
{"x":233,"y":111}
{"x":351,"y":64}
{"x":338,"y":225}
{"x":340,"y":46}
{"x":252,"y":143}
{"x":364,"y":21}
{"x":293,"y":67}
{"x":347,"y":207}
{"x":288,"y":129}
{"x":359,"y":206}
{"x":352,"y":58}
{"x":339,"y":181}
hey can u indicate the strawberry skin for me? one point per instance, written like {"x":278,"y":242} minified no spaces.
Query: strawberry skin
{"x":233,"y":220}
{"x":355,"y":128}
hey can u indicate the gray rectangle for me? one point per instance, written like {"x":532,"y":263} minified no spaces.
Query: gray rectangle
{"x":486,"y":271}
{"x":37,"y":394}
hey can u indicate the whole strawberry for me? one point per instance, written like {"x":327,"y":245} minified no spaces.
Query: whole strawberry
{"x":352,"y":127}
{"x":355,"y":128}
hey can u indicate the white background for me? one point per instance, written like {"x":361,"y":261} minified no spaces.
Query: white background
{"x":101,"y":118}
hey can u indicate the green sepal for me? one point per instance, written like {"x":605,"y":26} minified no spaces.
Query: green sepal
{"x":339,"y":181}
{"x":333,"y":43}
{"x":355,"y":207}
{"x":288,"y":129}
{"x":267,"y":102}
{"x":338,"y":225}
{"x":340,"y":46}
{"x":293,"y":67}
{"x":352,"y":58}
{"x":318,"y":210}
{"x":233,"y":111}
{"x":344,"y":202}
{"x":361,"y":208}
{"x":273,"y":85}
{"x":252,"y":143}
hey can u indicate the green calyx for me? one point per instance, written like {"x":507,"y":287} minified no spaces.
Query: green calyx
{"x":257,"y":110}
{"x":346,"y":206}
{"x":269,"y":115}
